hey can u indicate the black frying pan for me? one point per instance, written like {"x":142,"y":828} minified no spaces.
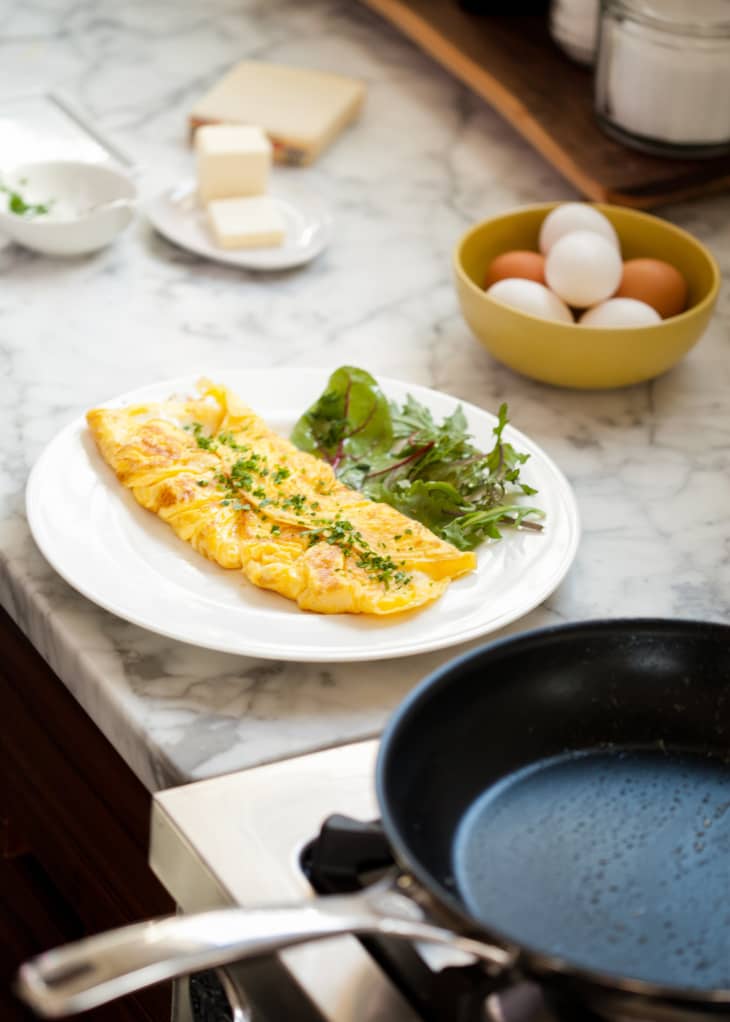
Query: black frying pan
{"x":610,"y":871}
{"x":563,"y":799}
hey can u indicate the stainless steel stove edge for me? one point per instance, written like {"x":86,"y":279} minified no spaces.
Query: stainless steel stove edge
{"x":236,"y":839}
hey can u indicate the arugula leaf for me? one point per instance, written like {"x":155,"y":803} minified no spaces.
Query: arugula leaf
{"x":469,"y":530}
{"x":429,"y":471}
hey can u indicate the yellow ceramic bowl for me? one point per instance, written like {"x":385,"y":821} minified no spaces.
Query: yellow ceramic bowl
{"x":567,"y":354}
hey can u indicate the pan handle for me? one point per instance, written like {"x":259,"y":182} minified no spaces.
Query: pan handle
{"x":101,"y":968}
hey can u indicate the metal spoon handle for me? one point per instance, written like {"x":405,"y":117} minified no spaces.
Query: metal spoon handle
{"x":98,"y":969}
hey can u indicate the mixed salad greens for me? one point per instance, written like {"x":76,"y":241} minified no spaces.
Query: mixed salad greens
{"x":399,"y":455}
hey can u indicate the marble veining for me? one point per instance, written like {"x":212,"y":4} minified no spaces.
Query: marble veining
{"x":650,"y":464}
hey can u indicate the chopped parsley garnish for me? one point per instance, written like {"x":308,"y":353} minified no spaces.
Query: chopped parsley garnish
{"x":295,"y":502}
{"x":341,"y":533}
{"x":227,"y":438}
{"x":242,"y":471}
{"x":241,"y":478}
{"x":280,"y":474}
{"x":206,"y":443}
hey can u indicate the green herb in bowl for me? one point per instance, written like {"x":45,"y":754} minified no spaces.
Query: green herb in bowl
{"x":18,"y":205}
{"x":429,"y":471}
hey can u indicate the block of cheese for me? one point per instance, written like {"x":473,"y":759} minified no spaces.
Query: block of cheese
{"x":301,"y":110}
{"x":252,"y":222}
{"x":232,"y":160}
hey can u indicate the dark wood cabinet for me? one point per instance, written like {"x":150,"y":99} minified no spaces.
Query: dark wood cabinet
{"x":75,"y":828}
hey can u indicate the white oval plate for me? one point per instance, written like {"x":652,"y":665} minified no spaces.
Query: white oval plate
{"x":179,"y":217}
{"x":93,"y":532}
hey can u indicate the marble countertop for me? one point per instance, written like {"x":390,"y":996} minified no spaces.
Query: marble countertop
{"x":650,"y":464}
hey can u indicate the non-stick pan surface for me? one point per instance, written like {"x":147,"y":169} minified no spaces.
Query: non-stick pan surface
{"x":568,"y":792}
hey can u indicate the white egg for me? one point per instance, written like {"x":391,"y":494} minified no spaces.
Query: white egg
{"x":617,"y":312}
{"x":574,"y":216}
{"x":531,"y":297}
{"x":583,"y":269}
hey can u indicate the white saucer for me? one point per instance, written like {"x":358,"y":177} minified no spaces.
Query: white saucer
{"x":177,"y":214}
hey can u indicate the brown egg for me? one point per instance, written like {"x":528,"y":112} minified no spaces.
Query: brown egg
{"x":655,"y":282}
{"x":520,"y":263}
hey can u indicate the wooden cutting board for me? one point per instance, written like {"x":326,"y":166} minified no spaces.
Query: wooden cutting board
{"x":513,"y":64}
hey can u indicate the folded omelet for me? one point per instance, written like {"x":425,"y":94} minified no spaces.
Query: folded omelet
{"x":250,"y":500}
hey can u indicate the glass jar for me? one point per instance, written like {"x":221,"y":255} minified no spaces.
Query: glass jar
{"x":573,"y":26}
{"x":662,"y":80}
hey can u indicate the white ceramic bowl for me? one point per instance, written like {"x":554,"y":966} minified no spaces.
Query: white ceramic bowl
{"x":89,"y":204}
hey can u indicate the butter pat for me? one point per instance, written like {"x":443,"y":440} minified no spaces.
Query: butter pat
{"x":254,"y":222}
{"x":232,"y":160}
{"x":301,"y":110}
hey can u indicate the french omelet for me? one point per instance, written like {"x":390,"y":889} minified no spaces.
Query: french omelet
{"x":249,"y":500}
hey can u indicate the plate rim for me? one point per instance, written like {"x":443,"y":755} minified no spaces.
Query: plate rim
{"x":264,"y":651}
{"x":242,"y":259}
